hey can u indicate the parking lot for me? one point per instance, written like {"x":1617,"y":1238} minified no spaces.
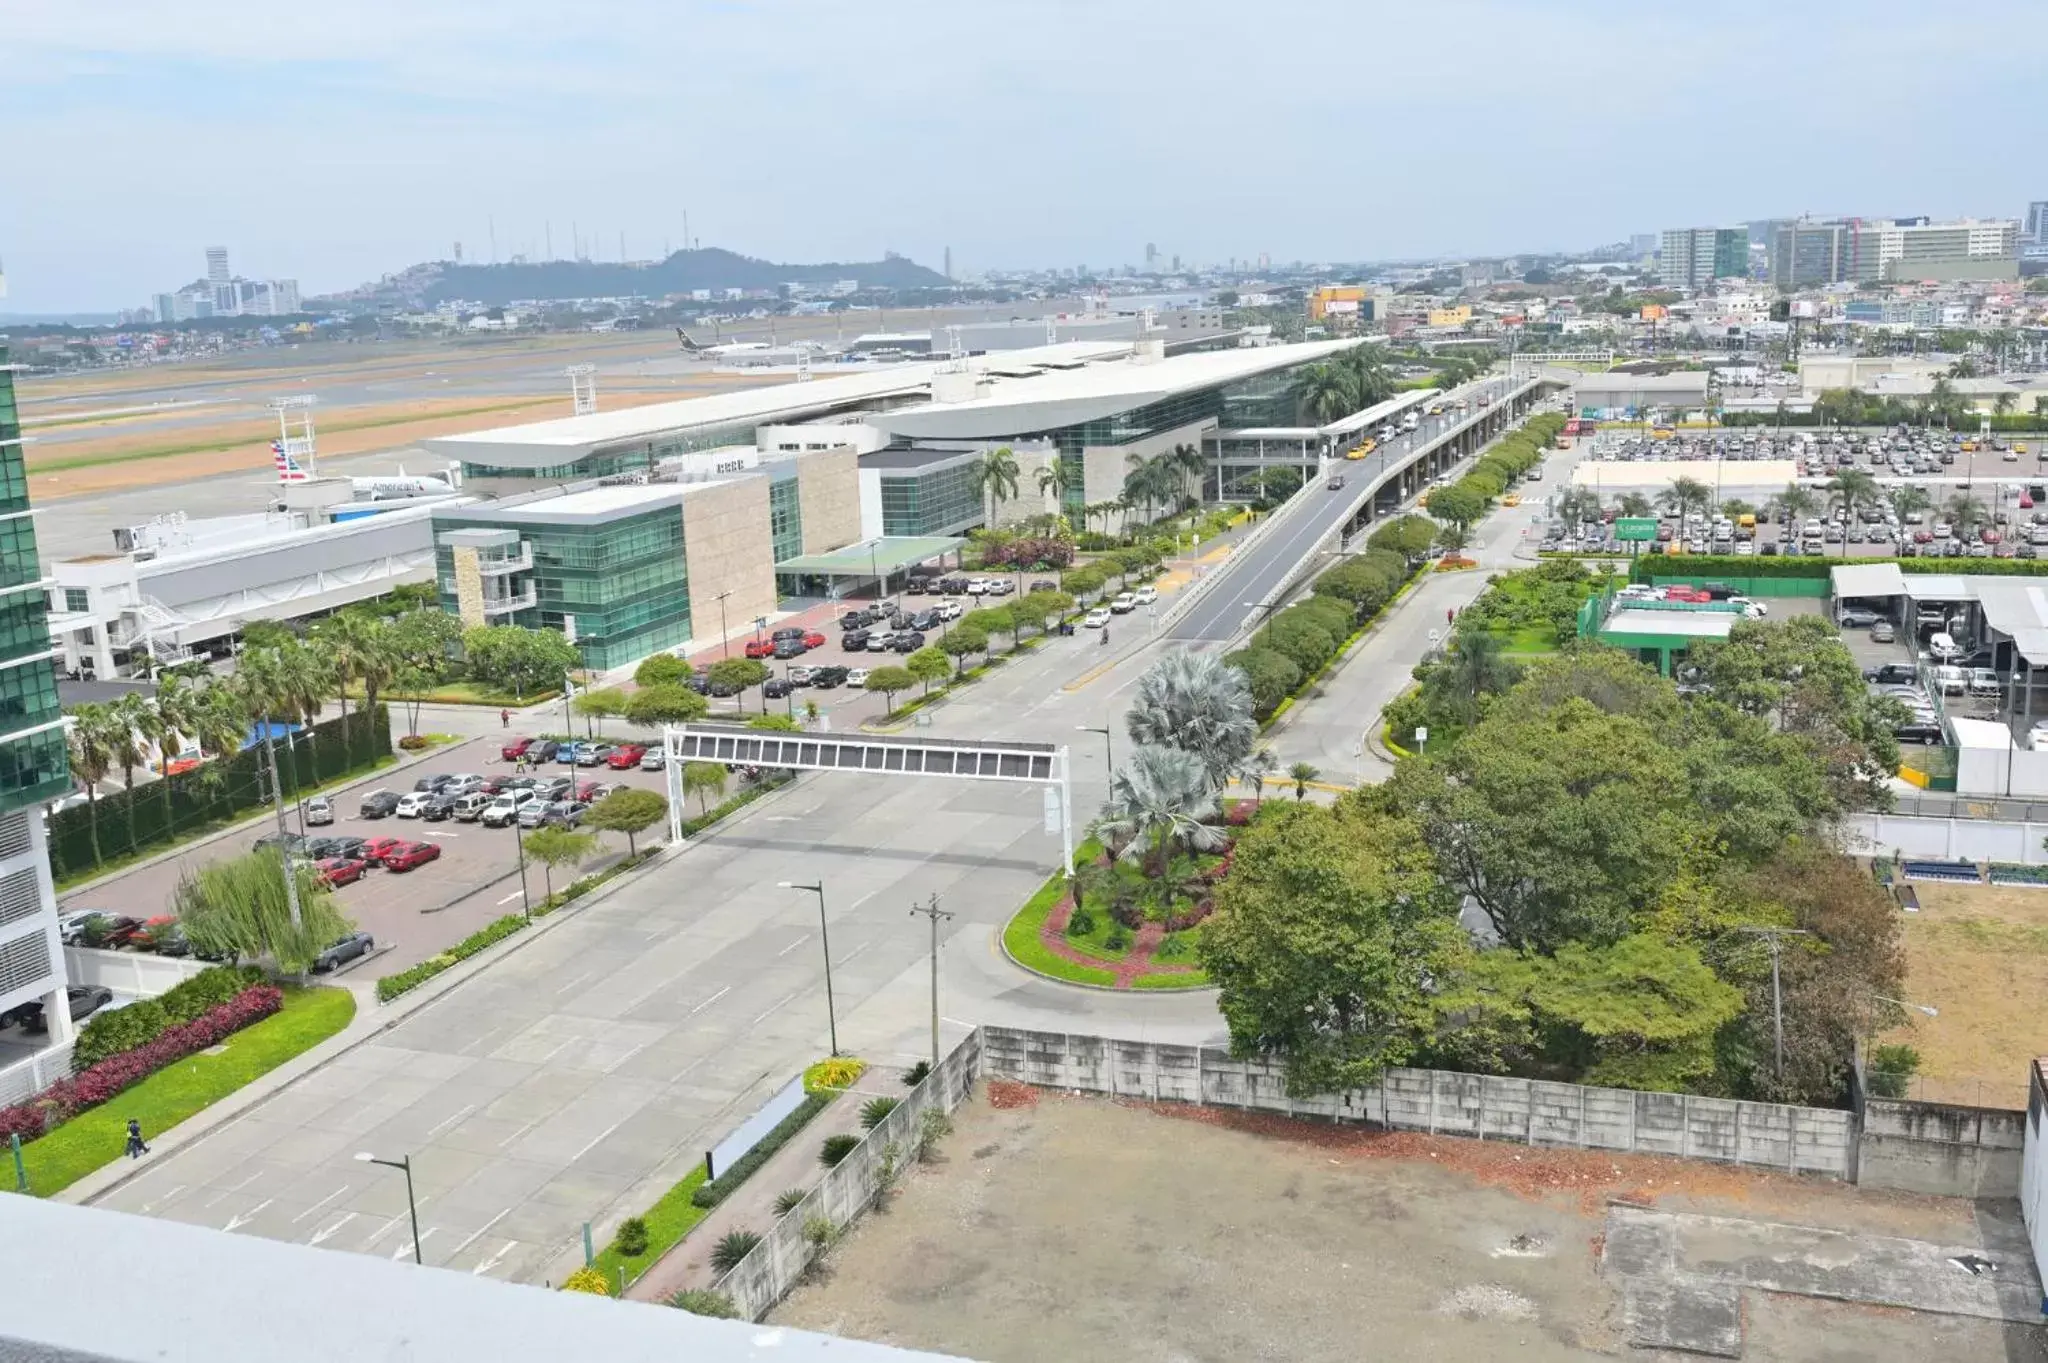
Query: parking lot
{"x":412,"y":914}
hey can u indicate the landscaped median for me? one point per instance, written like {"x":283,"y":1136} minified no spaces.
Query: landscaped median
{"x":74,"y":1127}
{"x":1124,"y":934}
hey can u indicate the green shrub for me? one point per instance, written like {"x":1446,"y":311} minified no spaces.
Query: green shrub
{"x":875,"y":1111}
{"x":700,"y":1301}
{"x":391,"y":986}
{"x":835,"y":1149}
{"x":1080,"y":923}
{"x":788,"y":1200}
{"x":113,"y":1031}
{"x":732,"y":1247}
{"x":917,"y":1074}
{"x":631,"y":1240}
{"x":715,"y":1191}
{"x":1118,"y":938}
{"x":1891,"y":1070}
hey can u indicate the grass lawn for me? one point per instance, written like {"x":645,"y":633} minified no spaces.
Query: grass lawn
{"x":1020,"y":937}
{"x":1979,"y":954}
{"x":461,"y":693}
{"x":172,"y":1094}
{"x":668,"y":1221}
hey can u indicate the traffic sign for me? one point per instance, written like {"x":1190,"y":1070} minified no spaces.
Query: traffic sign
{"x":1636,"y":529}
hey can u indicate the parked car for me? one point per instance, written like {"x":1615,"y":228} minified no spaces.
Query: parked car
{"x":441,"y":808}
{"x":414,"y":805}
{"x":410,"y":856}
{"x":319,"y":812}
{"x":1145,"y":595}
{"x":98,"y":925}
{"x":854,"y":641}
{"x":163,"y":935}
{"x":505,"y":808}
{"x":787,"y":632}
{"x":1944,"y":647}
{"x":515,"y":748}
{"x":341,"y":953}
{"x":568,"y":754}
{"x":556,"y":814}
{"x":592,"y":754}
{"x":431,"y":784}
{"x":1985,"y":681}
{"x":775,"y":688}
{"x":1927,"y":732}
{"x":84,"y":1001}
{"x":760,"y":648}
{"x":469,"y":808}
{"x":319,"y":849}
{"x":856,"y":677}
{"x":1856,"y":617}
{"x":376,"y":849}
{"x":462,"y":783}
{"x":786,"y":649}
{"x":542,"y":750}
{"x":1882,"y":632}
{"x":378,"y":804}
{"x":826,"y":678}
{"x":1001,"y":586}
{"x":653,"y":760}
{"x":910,"y":641}
{"x":341,"y":870}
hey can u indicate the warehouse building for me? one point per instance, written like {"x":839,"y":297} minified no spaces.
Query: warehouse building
{"x":1620,"y":396}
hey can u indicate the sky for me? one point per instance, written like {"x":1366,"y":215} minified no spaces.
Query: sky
{"x":336,"y":142}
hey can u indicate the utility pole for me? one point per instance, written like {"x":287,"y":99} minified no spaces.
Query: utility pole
{"x":933,"y":912}
{"x":1774,"y":939}
{"x":291,"y":884}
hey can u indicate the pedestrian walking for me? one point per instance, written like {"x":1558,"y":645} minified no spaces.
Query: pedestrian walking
{"x":504,"y":719}
{"x":136,"y":1149}
{"x":1450,"y":614}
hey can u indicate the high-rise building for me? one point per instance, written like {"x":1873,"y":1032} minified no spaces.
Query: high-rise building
{"x":2037,"y":222}
{"x":217,"y":265}
{"x":1642,"y":244}
{"x":34,"y":765}
{"x":1807,"y":253}
{"x":1691,"y":256}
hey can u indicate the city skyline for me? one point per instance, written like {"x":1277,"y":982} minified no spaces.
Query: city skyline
{"x":369,"y":139}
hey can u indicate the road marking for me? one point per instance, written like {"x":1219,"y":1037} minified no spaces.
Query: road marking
{"x":318,"y":1205}
{"x":487,"y":1265}
{"x":848,"y":957}
{"x":573,"y":983}
{"x":236,"y":1188}
{"x":331,"y":1231}
{"x":627,"y":1056}
{"x":478,"y":1235}
{"x":149,"y":1207}
{"x":520,"y":1132}
{"x":794,"y":945}
{"x":708,"y":1002}
{"x":510,"y":897}
{"x":405,"y":1249}
{"x":771,"y":1012}
{"x":237,"y":1221}
{"x":557,"y":1050}
{"x":450,"y":1121}
{"x":595,"y":1139}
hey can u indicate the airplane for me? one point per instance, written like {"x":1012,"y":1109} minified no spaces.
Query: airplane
{"x":402,"y":484}
{"x":729,"y":348}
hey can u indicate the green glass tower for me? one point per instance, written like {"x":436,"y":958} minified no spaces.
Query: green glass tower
{"x":33,"y":766}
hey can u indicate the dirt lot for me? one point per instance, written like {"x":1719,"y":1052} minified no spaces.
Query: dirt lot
{"x":1979,"y":954}
{"x":1065,"y":1229}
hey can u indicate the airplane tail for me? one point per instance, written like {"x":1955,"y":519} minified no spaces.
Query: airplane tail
{"x":288,"y":470}
{"x":688,"y":344}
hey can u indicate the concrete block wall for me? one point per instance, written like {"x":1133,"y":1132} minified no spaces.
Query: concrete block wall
{"x":828,"y":498}
{"x":727,"y":547}
{"x":1484,"y":1107}
{"x":1940,"y":1148}
{"x":767,"y":1274}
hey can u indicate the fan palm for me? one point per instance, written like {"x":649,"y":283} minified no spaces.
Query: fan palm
{"x":1199,"y":704}
{"x":1684,"y":495}
{"x":1965,"y":513}
{"x":995,"y":478}
{"x":1852,"y":488}
{"x":1632,"y":504}
{"x":1157,"y":803}
{"x":1798,"y":502}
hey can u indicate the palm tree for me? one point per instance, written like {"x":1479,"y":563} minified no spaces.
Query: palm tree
{"x":127,"y":719}
{"x":1965,"y":513}
{"x":704,"y":779}
{"x":1054,"y":479}
{"x":170,"y":721}
{"x":1301,"y":773}
{"x":1198,"y":703}
{"x":91,"y":758}
{"x":1370,"y":381}
{"x":1326,"y":392}
{"x":1476,"y":667}
{"x":1580,"y":504}
{"x":1684,"y":494}
{"x":1158,"y":801}
{"x":1258,"y":767}
{"x":1798,"y":502}
{"x":1852,"y":488}
{"x":2003,"y":404}
{"x":1910,"y":498}
{"x":995,"y":478}
{"x":1632,"y":504}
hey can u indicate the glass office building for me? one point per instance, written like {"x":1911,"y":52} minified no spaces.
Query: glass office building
{"x":34,"y":767}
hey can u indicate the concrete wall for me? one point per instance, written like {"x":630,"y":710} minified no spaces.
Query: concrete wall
{"x":129,"y":972}
{"x":1487,"y":1107}
{"x":1104,"y":467}
{"x":765,"y":1276}
{"x":1915,"y":835}
{"x":1938,"y":1148}
{"x":728,"y":548}
{"x":828,"y":498}
{"x":469,"y":586}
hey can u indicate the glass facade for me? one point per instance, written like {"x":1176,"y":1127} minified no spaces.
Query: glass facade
{"x":33,"y":768}
{"x":629,"y":459}
{"x":785,"y":515}
{"x":931,"y":501}
{"x":624,"y":581}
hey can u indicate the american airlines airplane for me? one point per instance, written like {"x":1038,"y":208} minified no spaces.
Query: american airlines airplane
{"x":401,"y":484}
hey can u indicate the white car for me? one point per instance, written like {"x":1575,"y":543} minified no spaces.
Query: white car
{"x":1942,"y":646}
{"x":2037,"y":737}
{"x":1096,"y":618}
{"x":1124,"y":604}
{"x":415,"y":804}
{"x":1755,"y":610}
{"x":977,"y":586}
{"x":503,"y":810}
{"x":1145,"y":595}
{"x":858,"y":677}
{"x":950,"y":609}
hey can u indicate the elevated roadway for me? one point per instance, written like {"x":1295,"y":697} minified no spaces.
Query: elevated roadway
{"x":1257,"y":576}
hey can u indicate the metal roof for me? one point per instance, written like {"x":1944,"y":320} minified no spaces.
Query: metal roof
{"x":1867,"y":579}
{"x":864,"y":559}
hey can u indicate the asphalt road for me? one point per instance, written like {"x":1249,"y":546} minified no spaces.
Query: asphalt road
{"x":1248,"y":581}
{"x":586,"y":1070}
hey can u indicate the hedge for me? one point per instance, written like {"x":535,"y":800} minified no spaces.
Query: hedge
{"x":214,"y":793}
{"x":1810,"y":566}
{"x":66,"y":1098}
{"x":714,"y":1191}
{"x":114,"y":1030}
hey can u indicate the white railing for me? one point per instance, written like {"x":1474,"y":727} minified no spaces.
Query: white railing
{"x":24,"y":1079}
{"x":129,"y":972}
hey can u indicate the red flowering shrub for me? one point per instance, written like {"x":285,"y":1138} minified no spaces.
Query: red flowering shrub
{"x":66,"y":1098}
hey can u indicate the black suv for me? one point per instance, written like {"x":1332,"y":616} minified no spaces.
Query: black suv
{"x":910,"y":641}
{"x":953,"y":586}
{"x":825,"y":678}
{"x":440,"y":808}
{"x":915,"y":586}
{"x":378,"y":804}
{"x":854,"y":640}
{"x":856,"y":619}
{"x":541,"y":750}
{"x":779,"y":635}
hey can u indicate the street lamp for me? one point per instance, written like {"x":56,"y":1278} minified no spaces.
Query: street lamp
{"x":519,"y":847}
{"x":1926,"y":1008}
{"x":1268,"y":607}
{"x":1108,"y":757}
{"x":724,"y":634}
{"x":403,"y":1162}
{"x":825,"y":940}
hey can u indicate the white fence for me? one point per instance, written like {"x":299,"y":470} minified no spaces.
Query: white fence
{"x":1488,"y":1107}
{"x":24,"y":1079}
{"x":1921,"y":835}
{"x":134,"y":973}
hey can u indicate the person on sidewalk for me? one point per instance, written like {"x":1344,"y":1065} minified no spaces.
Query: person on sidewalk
{"x":136,"y":1149}
{"x":504,"y":719}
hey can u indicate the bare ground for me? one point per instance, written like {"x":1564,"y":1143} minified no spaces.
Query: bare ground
{"x":1979,"y":955}
{"x":1062,"y":1228}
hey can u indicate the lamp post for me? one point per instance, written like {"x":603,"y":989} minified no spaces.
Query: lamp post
{"x":519,"y":847}
{"x":825,"y":940}
{"x":404,"y":1163}
{"x":1108,"y":757}
{"x":725,"y":636}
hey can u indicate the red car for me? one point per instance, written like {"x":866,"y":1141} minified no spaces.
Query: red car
{"x":587,"y":791}
{"x":626,"y":757}
{"x":411,"y":854}
{"x":376,"y":849}
{"x":813,"y":639}
{"x":514,"y":747}
{"x":760,"y":648}
{"x":341,"y":870}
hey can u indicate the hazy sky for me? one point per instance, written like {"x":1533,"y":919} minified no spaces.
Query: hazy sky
{"x":336,"y":141}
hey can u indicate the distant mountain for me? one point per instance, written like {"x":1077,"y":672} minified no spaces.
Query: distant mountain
{"x":710,"y":268}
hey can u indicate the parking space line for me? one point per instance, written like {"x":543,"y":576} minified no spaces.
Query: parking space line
{"x":520,"y":1132}
{"x":595,"y":1139}
{"x":318,"y":1205}
{"x":509,"y":898}
{"x":573,"y":983}
{"x":708,"y":1002}
{"x":772,"y":1011}
{"x":447,"y":1122}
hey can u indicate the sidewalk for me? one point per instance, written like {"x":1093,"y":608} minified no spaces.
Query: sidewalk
{"x":752,"y":1207}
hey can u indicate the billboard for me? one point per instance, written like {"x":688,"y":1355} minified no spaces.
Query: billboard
{"x":1635,"y":529}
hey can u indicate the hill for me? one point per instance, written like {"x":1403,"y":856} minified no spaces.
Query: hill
{"x":682,"y":272}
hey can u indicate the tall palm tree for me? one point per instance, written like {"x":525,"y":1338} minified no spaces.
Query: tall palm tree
{"x":91,"y":759}
{"x":171,"y":721}
{"x":1632,"y":504}
{"x":1685,"y":494}
{"x":1054,"y":479}
{"x":127,"y":720}
{"x":1145,"y":481}
{"x":1965,"y":513}
{"x":995,"y":478}
{"x":1158,"y":801}
{"x":2003,"y":404}
{"x":1326,"y":392}
{"x":1370,"y":381}
{"x":1852,"y":488}
{"x":1910,"y":498}
{"x":1198,"y":703}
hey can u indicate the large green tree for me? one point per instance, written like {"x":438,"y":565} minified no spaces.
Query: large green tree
{"x":238,"y":907}
{"x":522,"y":661}
{"x":1331,"y":935}
{"x":629,"y":810}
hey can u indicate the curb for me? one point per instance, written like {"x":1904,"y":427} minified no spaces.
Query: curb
{"x":1004,"y":947}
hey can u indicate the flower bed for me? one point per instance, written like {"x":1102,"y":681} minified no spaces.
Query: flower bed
{"x":2012,"y":873}
{"x":66,"y":1098}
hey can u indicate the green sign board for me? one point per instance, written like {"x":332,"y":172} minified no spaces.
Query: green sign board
{"x":1635,"y":528}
